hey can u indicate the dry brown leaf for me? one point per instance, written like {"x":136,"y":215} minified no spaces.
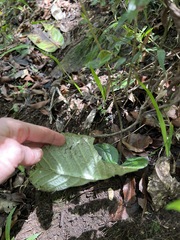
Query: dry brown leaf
{"x":131,"y":148}
{"x":64,"y":89}
{"x":129,"y":192}
{"x":135,"y":114}
{"x":29,"y":78}
{"x":4,"y":91}
{"x":131,"y":97}
{"x":44,"y":112}
{"x":176,"y":122}
{"x":128,"y":116}
{"x":5,"y":79}
{"x":137,"y":142}
{"x":39,"y":104}
{"x":172,"y":112}
{"x":76,"y":105}
{"x":109,"y":109}
{"x":124,"y":151}
{"x":96,"y":132}
{"x":38,"y":91}
{"x":21,"y":74}
{"x":162,"y":186}
{"x":157,"y":142}
{"x":142,"y":200}
{"x":90,"y":118}
{"x":127,"y":205}
{"x":150,"y":120}
{"x":120,"y":212}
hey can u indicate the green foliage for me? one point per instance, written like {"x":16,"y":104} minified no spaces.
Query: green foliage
{"x":99,"y":84}
{"x":17,"y":48}
{"x":161,"y":58}
{"x":8,"y":225}
{"x":175,"y":205}
{"x":49,"y":40}
{"x":122,"y":43}
{"x":23,"y":88}
{"x":8,"y":13}
{"x":107,"y":152}
{"x":77,"y":163}
{"x":34,"y":236}
{"x":167,"y":138}
{"x":8,"y":228}
{"x":102,"y":58}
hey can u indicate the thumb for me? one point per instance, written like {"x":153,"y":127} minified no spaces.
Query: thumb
{"x":13,"y":154}
{"x":30,"y":156}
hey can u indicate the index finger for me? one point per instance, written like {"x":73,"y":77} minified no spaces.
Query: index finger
{"x":22,"y":131}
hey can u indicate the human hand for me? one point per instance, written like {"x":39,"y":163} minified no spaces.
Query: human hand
{"x":20,"y":143}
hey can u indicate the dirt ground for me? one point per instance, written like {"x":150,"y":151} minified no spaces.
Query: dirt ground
{"x":100,"y":210}
{"x":86,"y":212}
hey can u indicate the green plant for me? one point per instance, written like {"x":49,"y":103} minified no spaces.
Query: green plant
{"x":49,"y":39}
{"x":167,"y":136}
{"x":8,"y":225}
{"x":122,"y":31}
{"x":34,"y":236}
{"x":23,"y":88}
{"x":21,"y":46}
{"x":175,"y":205}
{"x":99,"y":84}
{"x":8,"y":228}
{"x":60,"y":66}
{"x":8,"y":12}
{"x":78,"y":162}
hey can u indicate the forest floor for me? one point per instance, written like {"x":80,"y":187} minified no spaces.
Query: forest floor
{"x":35,"y":90}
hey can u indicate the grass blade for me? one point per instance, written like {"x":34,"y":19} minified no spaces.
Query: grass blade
{"x":98,"y":82}
{"x":160,"y":118}
{"x":8,"y":224}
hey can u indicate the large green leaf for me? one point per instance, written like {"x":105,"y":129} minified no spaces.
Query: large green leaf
{"x":74,"y":164}
{"x":49,"y":40}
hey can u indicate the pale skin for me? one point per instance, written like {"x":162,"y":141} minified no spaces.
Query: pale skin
{"x":20,"y":144}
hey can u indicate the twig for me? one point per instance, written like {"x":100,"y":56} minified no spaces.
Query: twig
{"x":125,"y":129}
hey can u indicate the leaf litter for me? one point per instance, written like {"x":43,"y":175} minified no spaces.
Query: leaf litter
{"x":73,"y":107}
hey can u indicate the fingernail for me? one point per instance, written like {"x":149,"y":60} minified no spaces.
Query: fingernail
{"x":38,"y":154}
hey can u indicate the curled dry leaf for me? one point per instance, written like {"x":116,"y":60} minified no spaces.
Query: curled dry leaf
{"x":137,"y":142}
{"x":150,"y":120}
{"x":21,"y":74}
{"x":127,"y":205}
{"x":90,"y":118}
{"x":9,"y":200}
{"x":4,"y":91}
{"x":172,"y":112}
{"x":134,"y":114}
{"x":142,"y":198}
{"x":57,"y":12}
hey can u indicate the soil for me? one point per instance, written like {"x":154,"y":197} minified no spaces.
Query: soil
{"x":86,"y":212}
